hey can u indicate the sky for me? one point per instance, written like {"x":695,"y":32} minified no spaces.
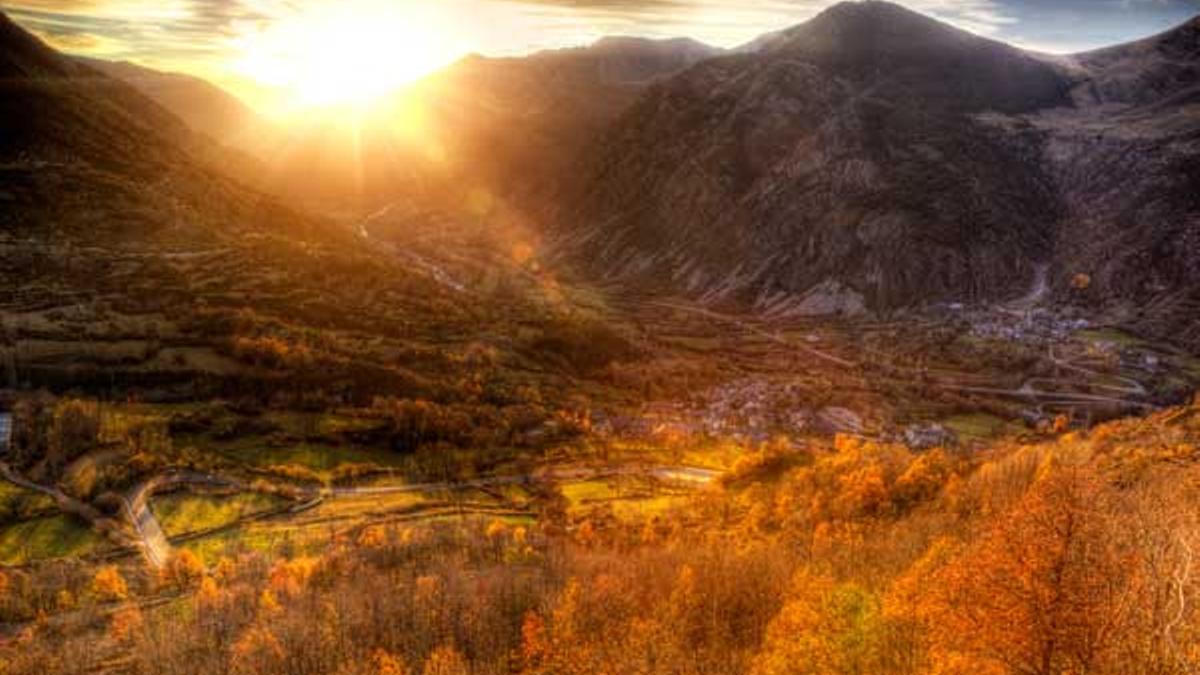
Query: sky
{"x":257,"y":48}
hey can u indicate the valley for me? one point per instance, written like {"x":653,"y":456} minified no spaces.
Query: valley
{"x":869,"y":347}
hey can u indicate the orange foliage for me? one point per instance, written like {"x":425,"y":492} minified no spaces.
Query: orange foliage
{"x":864,"y":491}
{"x":184,"y":570}
{"x":257,"y":650}
{"x":496,"y":529}
{"x":108,"y":585}
{"x":534,"y":645}
{"x":288,"y":577}
{"x":446,"y":660}
{"x":825,"y":627}
{"x":372,"y":537}
{"x":208,"y":596}
{"x":1046,"y":590}
{"x":924,"y":478}
{"x":386,"y":663}
{"x":123,"y":624}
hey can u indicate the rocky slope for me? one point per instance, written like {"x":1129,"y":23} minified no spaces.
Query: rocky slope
{"x":874,"y":158}
{"x":844,"y":156}
{"x":1126,"y":160}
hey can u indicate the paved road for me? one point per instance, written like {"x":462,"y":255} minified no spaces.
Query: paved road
{"x":741,"y":322}
{"x":151,"y":539}
{"x":69,"y":505}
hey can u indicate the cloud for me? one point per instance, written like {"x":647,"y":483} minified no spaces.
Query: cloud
{"x":178,"y":34}
{"x":204,"y":36}
{"x":723,"y":22}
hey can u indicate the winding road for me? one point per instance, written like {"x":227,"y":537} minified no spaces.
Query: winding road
{"x":151,"y":539}
{"x":156,"y":547}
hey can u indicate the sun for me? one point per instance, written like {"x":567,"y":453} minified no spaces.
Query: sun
{"x":349,"y":52}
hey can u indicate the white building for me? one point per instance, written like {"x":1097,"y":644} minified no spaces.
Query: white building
{"x":5,"y":432}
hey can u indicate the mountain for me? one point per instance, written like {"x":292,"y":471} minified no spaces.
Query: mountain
{"x":130,"y":261}
{"x":845,"y":154}
{"x":559,"y":100}
{"x":57,"y":109}
{"x":203,"y":106}
{"x":874,"y":158}
{"x":1162,"y":68}
{"x":758,"y":44}
{"x":511,"y":124}
{"x":1126,"y":160}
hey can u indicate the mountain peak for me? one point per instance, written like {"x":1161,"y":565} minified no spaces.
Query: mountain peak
{"x":868,"y":9}
{"x":888,"y":45}
{"x":23,"y":54}
{"x":874,"y":25}
{"x":625,"y":44}
{"x":622,"y":41}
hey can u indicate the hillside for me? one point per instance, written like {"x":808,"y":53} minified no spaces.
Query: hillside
{"x":204,"y":107}
{"x":131,"y":262}
{"x":844,"y":155}
{"x":873,"y":159}
{"x":852,"y":557}
{"x":56,"y":109}
{"x":510,"y":125}
{"x":1127,"y":162}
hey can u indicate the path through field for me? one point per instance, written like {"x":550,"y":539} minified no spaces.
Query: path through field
{"x":156,"y":547}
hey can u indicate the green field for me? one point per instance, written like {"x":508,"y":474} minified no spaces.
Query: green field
{"x":181,"y":513}
{"x":320,"y":460}
{"x":1113,"y":335}
{"x":47,"y":538}
{"x":980,"y":426}
{"x":632,"y":500}
{"x":17,"y":503}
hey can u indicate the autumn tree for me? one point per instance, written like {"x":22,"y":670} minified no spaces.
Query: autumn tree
{"x":125,"y":624}
{"x":1047,"y":590}
{"x":384,"y":662}
{"x":256,"y":651}
{"x":74,"y":431}
{"x":446,"y":660}
{"x":824,"y":628}
{"x":183,"y":570}
{"x":108,"y":585}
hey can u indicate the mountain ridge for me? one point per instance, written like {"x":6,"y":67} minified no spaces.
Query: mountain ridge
{"x":874,"y":158}
{"x":205,"y":107}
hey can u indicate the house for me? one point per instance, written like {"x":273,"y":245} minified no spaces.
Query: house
{"x":5,"y":432}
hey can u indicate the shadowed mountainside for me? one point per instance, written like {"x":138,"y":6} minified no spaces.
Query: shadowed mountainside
{"x":203,"y":106}
{"x":1126,"y":159}
{"x":845,"y":153}
{"x":128,"y":259}
{"x":874,"y":158}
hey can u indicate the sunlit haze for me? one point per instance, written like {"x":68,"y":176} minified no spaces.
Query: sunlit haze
{"x":349,"y":52}
{"x":280,"y":55}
